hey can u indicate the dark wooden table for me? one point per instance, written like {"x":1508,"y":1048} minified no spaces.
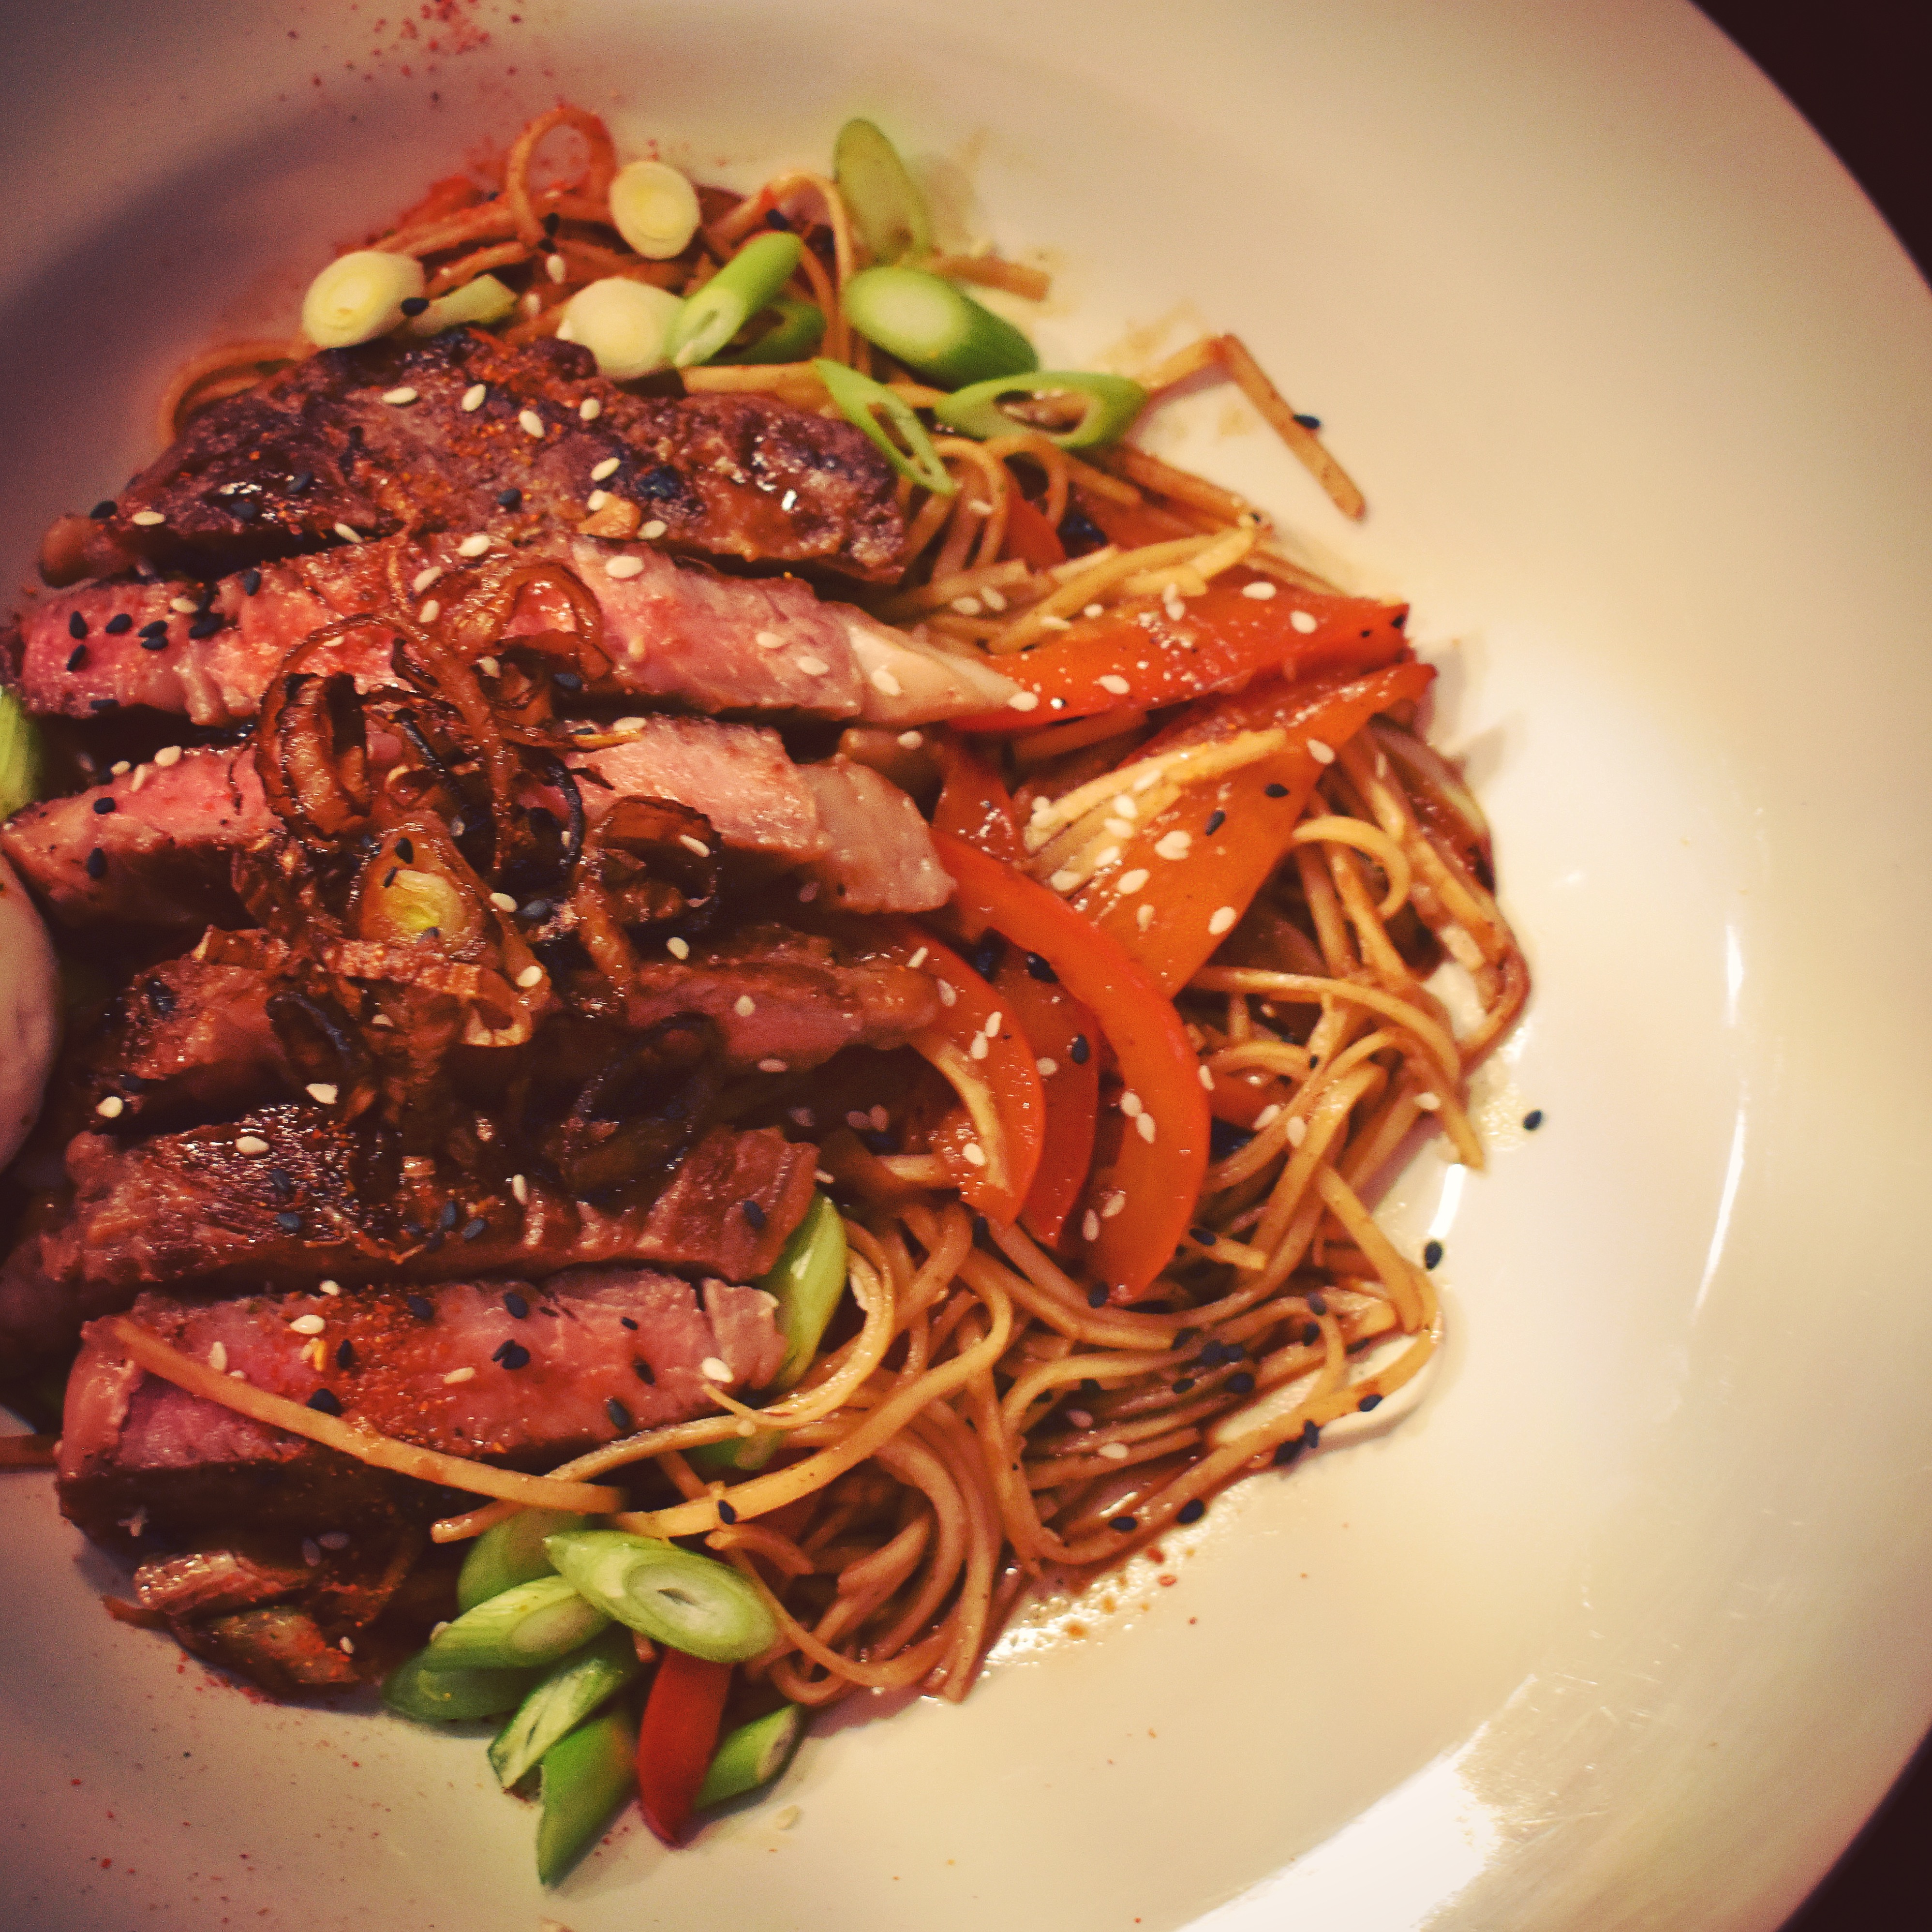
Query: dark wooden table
{"x":1860,"y":72}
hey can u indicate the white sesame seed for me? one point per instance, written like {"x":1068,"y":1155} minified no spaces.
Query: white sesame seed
{"x":311,"y":1551}
{"x":1065,"y":879}
{"x":655,"y":529}
{"x":678,"y":949}
{"x":1046,"y":1066}
{"x":1322,"y":754}
{"x":1130,"y":883}
{"x":1261,"y":590}
{"x":1114,"y":1203}
{"x":747,"y":1426}
{"x":744,"y":1006}
{"x":608,"y":467}
{"x":767,"y":640}
{"x":992,"y":599}
{"x":590,"y":409}
{"x":1094,"y":610}
{"x":1080,"y":1418}
{"x":251,"y":1144}
{"x":812,"y":667}
{"x":139,"y":779}
{"x":187,"y":606}
{"x":308,"y":1324}
{"x":1132,"y":1104}
{"x":473,"y":396}
{"x":1144,"y":1127}
{"x":169,"y":755}
{"x":474,"y":546}
{"x":1113,"y":682}
{"x":430,"y":612}
{"x":696,"y":847}
{"x":949,"y":993}
{"x":807,"y":892}
{"x":1429,"y":1103}
{"x":1145,"y":917}
{"x":967,"y":606}
{"x":974,"y":1153}
{"x":859,"y":1121}
{"x":1207,"y":1077}
{"x":1223,"y":920}
{"x":801,"y":1117}
{"x":715,"y":1369}
{"x":883,"y":681}
{"x":1297,"y":1131}
{"x":456,"y":1375}
{"x":978,"y":1049}
{"x":1302,"y":621}
{"x":328,"y":1287}
{"x":217,"y":1358}
{"x":1173,"y":845}
{"x":238,"y":1375}
{"x":556,"y":267}
{"x":991,"y":1028}
{"x":521,"y":1188}
{"x":1090,"y":1228}
{"x":503,"y":902}
{"x":910,"y":741}
{"x":423,"y":579}
{"x":322,"y":1092}
{"x":596,"y":500}
{"x":624,"y":566}
{"x":1268,"y":1116}
{"x":878,"y":1119}
{"x":772,"y":1066}
{"x":111,"y":1107}
{"x":333,"y":1539}
{"x":399,"y":397}
{"x":529,"y":422}
{"x":919,"y":958}
{"x":348,"y":533}
{"x":1114,"y":1452}
{"x":147,"y":519}
{"x":531,"y":976}
{"x":1024,"y":700}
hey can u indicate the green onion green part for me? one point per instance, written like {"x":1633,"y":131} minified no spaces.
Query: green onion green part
{"x":746,"y":284}
{"x":20,"y":756}
{"x":863,"y":401}
{"x":510,"y":1552}
{"x":527,"y":1626}
{"x":1109,"y":405}
{"x":483,"y":302}
{"x":569,"y":1693}
{"x":754,"y":1754}
{"x":417,"y":1688}
{"x":794,"y":328}
{"x":807,"y":1280}
{"x":587,"y":1775}
{"x":884,"y":203}
{"x":937,"y":331}
{"x":692,"y":1603}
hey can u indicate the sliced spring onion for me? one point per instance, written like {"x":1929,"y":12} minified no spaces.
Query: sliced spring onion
{"x":795,"y":329}
{"x":587,"y":1775}
{"x":937,"y":331}
{"x":752,"y":1755}
{"x":807,"y":1278}
{"x":20,"y":756}
{"x":882,"y":199}
{"x":527,"y":1626}
{"x":511,"y":1553}
{"x":358,"y":297}
{"x":863,"y":401}
{"x":655,"y":208}
{"x":627,"y":326}
{"x":571,"y":1690}
{"x":484,"y":301}
{"x":1109,"y":405}
{"x":690,"y":1602}
{"x":416,"y":1688}
{"x":746,"y":284}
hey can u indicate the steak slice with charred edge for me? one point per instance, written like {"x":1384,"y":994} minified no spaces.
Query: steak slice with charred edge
{"x":506,"y":1371}
{"x":283,"y":467}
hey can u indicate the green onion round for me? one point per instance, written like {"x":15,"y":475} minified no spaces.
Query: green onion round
{"x":1111,"y":403}
{"x":937,"y":331}
{"x":692,"y":1603}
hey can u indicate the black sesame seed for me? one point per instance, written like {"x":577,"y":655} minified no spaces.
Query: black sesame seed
{"x":1311,"y":1436}
{"x":414,"y":304}
{"x":1042,"y":969}
{"x":102,"y":510}
{"x":628,"y":1322}
{"x":251,"y":582}
{"x":279,"y":1179}
{"x":776,"y":217}
{"x":1533,"y":1119}
{"x":206,"y":625}
{"x":406,"y":851}
{"x":1206,"y":1237}
{"x":76,"y":657}
{"x":754,"y":1213}
{"x":1284,"y":1453}
{"x":414,"y":1229}
{"x":982,"y":1230}
{"x":1432,"y":1254}
{"x":509,"y":499}
{"x":99,"y":704}
{"x":446,"y":1215}
{"x":1185,"y":1386}
{"x":1096,"y":1298}
{"x":642,"y":1371}
{"x":119,"y":625}
{"x":97,"y":864}
{"x":1224,"y":1137}
{"x":324,"y":1400}
{"x":301,"y":481}
{"x":552,"y":222}
{"x":102,"y":806}
{"x":1241,"y":1383}
{"x":1183,"y":1336}
{"x":1311,"y":1333}
{"x":1078,"y":1052}
{"x":288,"y":1221}
{"x":345,"y":1354}
{"x":516,"y":1305}
{"x":1307,"y":422}
{"x":566,"y":680}
{"x":474,"y":1228}
{"x":76,"y":625}
{"x":726,"y":1513}
{"x":420,"y":1307}
{"x":160,"y":996}
{"x":1192,"y":1510}
{"x":1126,"y":1525}
{"x":1369,"y":1402}
{"x":1318,"y":1304}
{"x":620,"y":1416}
{"x":1088,"y":1386}
{"x":986,"y":957}
{"x":154,"y":640}
{"x":435,"y":1241}
{"x":389,"y":877}
{"x":511,"y":1355}
{"x":1216,"y":820}
{"x":246,"y":511}
{"x":154,"y":627}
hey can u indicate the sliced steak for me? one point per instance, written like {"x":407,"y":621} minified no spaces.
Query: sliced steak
{"x":879,"y":856}
{"x":151,"y":846}
{"x":285,"y":467}
{"x":505,"y":1371}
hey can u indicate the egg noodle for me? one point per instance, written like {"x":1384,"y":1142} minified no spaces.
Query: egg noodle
{"x":992,"y":1413}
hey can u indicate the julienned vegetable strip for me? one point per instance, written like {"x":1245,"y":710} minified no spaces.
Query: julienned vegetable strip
{"x":381,"y":1452}
{"x":1159,"y":1169}
{"x":674,"y":1746}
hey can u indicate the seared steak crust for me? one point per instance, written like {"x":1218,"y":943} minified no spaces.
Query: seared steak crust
{"x":285,"y":467}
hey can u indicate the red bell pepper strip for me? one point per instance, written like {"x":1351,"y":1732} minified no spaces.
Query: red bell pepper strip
{"x":996,"y":1184}
{"x":1066,"y":1037}
{"x":974,"y":803}
{"x":1220,"y":640}
{"x":682,"y":1717}
{"x":1030,"y":537}
{"x":1160,"y":1168}
{"x":1188,"y":905}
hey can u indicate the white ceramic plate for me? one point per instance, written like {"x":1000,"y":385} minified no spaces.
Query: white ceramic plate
{"x":1626,"y":1625}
